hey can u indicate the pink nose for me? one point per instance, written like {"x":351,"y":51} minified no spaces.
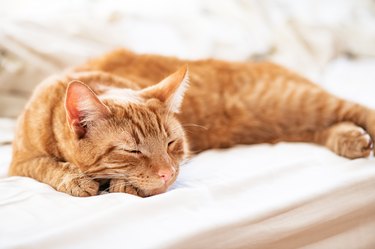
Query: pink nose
{"x":165,"y":174}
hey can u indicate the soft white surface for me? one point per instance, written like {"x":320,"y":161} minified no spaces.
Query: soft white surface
{"x":244,"y":197}
{"x":216,"y":189}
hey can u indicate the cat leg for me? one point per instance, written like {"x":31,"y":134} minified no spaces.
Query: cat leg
{"x":62,"y":176}
{"x":350,"y":139}
{"x":345,"y":139}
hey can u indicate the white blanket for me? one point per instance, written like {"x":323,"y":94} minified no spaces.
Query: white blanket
{"x":261,"y":196}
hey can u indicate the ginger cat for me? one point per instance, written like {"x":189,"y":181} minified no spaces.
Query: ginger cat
{"x":108,"y":119}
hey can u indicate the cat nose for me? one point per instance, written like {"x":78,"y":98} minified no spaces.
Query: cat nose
{"x":165,"y":174}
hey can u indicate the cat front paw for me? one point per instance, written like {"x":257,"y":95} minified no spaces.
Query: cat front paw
{"x":79,"y":187}
{"x":122,"y":186}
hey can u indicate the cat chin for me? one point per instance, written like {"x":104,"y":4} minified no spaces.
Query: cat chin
{"x":156,"y":191}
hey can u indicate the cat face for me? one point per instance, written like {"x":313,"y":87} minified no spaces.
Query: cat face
{"x":131,"y":135}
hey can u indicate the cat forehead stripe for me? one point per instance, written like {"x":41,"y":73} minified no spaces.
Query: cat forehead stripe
{"x":122,"y":95}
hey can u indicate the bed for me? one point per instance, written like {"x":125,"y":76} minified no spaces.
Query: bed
{"x":288,"y":195}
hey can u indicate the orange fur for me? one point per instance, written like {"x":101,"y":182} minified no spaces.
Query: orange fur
{"x":119,"y":125}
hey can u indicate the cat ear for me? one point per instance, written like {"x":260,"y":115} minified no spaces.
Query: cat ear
{"x":82,"y":106}
{"x":170,"y":90}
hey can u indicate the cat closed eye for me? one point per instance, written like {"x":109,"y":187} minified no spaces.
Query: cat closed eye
{"x":133,"y":151}
{"x":171,"y":142}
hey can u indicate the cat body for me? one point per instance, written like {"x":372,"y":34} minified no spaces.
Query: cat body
{"x":108,"y":119}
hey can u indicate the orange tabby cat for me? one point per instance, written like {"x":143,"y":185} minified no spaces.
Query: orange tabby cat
{"x":110,"y":120}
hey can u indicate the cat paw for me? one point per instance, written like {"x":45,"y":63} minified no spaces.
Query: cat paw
{"x":79,"y":187}
{"x":352,"y":143}
{"x":122,"y":186}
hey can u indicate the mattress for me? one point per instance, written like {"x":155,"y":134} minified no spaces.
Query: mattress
{"x":258,"y":196}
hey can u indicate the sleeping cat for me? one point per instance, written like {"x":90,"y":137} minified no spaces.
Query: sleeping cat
{"x":119,"y":118}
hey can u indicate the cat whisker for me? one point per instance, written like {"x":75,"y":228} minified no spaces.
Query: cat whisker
{"x":109,"y":176}
{"x":194,"y":125}
{"x":185,"y":161}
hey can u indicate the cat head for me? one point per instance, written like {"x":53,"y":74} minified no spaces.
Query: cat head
{"x":129,"y":134}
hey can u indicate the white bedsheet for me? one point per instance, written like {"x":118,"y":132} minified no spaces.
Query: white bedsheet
{"x":289,"y":195}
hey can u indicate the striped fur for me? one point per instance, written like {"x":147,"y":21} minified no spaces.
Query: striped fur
{"x":226,"y":103}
